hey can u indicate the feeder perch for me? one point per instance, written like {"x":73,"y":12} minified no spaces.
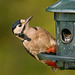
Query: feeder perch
{"x":64,"y":15}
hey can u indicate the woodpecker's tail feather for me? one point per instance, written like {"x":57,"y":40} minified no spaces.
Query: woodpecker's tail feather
{"x":54,"y":69}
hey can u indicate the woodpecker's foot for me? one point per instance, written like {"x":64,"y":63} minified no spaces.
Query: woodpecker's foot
{"x":54,"y":69}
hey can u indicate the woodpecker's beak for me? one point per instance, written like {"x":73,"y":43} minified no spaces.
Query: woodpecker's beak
{"x":28,"y":19}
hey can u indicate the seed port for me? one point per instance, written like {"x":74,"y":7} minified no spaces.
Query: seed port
{"x":65,"y":35}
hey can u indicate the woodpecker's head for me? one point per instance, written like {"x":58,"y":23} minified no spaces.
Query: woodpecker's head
{"x":19,"y":27}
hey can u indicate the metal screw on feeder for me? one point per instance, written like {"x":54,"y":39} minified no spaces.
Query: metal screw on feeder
{"x":64,"y":15}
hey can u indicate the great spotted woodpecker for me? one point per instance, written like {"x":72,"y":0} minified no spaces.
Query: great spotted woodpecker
{"x":35,"y":40}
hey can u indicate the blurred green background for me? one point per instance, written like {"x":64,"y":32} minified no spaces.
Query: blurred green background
{"x":14,"y":60}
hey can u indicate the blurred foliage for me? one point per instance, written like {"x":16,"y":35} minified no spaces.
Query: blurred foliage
{"x":14,"y":60}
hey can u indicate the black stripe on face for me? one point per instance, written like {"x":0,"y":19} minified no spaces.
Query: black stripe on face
{"x":22,"y":34}
{"x":23,"y":30}
{"x":35,"y":28}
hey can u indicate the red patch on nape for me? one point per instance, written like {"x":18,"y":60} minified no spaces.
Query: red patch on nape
{"x":52,"y":49}
{"x":51,"y":63}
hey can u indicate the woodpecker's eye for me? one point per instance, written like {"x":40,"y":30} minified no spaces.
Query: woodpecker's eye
{"x":20,"y":25}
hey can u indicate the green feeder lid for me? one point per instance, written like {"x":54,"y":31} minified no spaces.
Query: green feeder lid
{"x":66,"y":6}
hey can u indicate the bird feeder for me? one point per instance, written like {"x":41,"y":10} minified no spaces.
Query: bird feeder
{"x":64,"y":15}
